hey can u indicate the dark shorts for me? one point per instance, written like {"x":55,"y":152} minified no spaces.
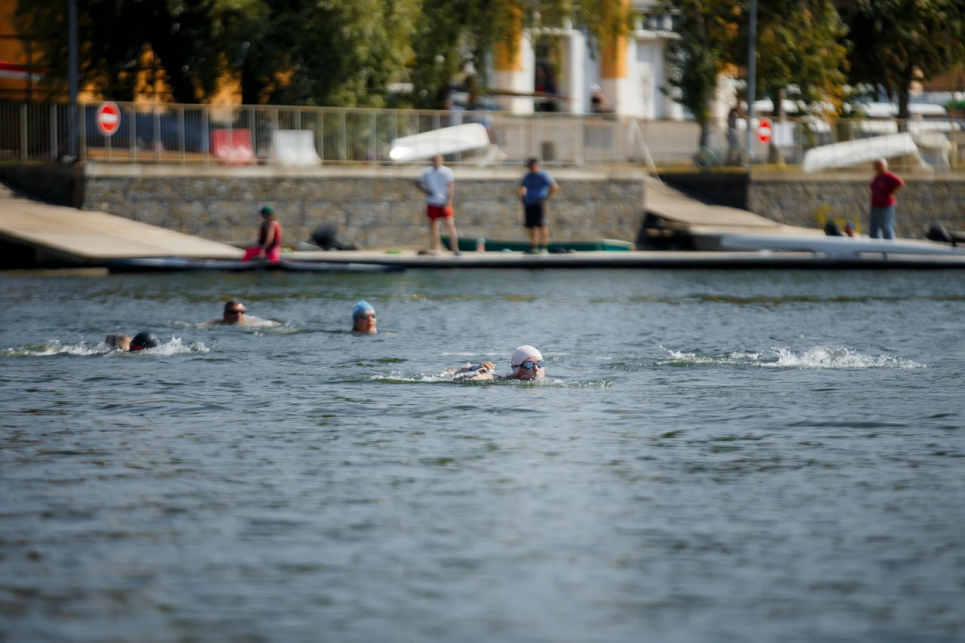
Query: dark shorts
{"x":438,"y":211}
{"x":535,"y":217}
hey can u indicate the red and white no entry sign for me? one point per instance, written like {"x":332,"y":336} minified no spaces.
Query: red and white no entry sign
{"x":108,"y":118}
{"x":764,"y":130}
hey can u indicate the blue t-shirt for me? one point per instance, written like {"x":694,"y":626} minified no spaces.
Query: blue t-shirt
{"x":537,"y":186}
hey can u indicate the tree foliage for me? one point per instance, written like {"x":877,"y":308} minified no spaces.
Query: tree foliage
{"x":706,"y":31}
{"x":895,"y":40}
{"x":298,"y":52}
{"x":799,"y":44}
{"x":115,"y":37}
{"x":322,"y":52}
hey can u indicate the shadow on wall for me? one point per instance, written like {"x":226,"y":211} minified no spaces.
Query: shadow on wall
{"x":49,"y":183}
{"x":726,"y":188}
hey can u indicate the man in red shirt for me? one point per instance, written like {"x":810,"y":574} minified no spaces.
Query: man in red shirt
{"x":269,"y":238}
{"x":883,"y":188}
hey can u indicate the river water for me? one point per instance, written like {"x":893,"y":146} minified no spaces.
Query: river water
{"x":714,"y":456}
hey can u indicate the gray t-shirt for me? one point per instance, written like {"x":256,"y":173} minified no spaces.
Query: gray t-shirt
{"x":437,"y":181}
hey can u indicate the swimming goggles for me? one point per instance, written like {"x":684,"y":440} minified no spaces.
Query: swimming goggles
{"x":529,"y":364}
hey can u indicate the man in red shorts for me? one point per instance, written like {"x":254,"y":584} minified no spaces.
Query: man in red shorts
{"x":437,"y":183}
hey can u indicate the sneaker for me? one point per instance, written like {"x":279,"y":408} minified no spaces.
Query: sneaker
{"x":532,"y":251}
{"x":457,"y":253}
{"x":544,"y":251}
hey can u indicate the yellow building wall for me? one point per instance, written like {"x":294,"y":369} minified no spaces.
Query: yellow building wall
{"x":613,"y":50}
{"x":12,"y":51}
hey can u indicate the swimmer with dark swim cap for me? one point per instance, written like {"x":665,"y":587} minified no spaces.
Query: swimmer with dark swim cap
{"x":527,"y":364}
{"x":363,"y":318}
{"x":139,"y":342}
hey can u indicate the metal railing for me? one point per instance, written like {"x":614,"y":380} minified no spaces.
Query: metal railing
{"x":206,"y":134}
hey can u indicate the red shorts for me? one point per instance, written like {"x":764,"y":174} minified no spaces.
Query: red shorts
{"x":273,"y":254}
{"x":438,"y":211}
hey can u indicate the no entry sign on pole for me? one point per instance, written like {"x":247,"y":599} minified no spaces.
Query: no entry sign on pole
{"x":108,"y":118}
{"x":764,"y":130}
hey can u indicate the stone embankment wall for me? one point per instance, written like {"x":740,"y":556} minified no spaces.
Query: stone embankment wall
{"x":808,"y":200}
{"x":376,"y":207}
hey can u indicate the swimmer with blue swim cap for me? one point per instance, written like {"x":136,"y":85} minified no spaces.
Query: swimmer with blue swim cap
{"x":363,"y":318}
{"x":527,"y":363}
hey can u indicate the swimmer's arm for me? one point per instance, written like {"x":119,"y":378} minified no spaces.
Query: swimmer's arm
{"x":483,"y":371}
{"x":484,"y":366}
{"x":119,"y":341}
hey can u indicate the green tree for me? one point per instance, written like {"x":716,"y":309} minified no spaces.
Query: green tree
{"x":305,"y":52}
{"x":800,"y":44}
{"x":896,"y":40}
{"x":705,"y":32}
{"x":114,"y":37}
{"x":330,"y":52}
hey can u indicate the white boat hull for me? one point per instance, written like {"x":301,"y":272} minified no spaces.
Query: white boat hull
{"x":834,"y":246}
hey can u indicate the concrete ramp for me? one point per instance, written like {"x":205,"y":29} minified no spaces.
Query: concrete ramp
{"x":675,"y":220}
{"x":36,"y":233}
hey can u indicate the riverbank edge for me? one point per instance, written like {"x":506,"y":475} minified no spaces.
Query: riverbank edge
{"x":376,"y":206}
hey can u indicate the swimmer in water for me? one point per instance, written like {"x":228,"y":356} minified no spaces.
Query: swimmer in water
{"x":236,"y":314}
{"x":130,"y":344}
{"x":364,"y":318}
{"x":527,"y":363}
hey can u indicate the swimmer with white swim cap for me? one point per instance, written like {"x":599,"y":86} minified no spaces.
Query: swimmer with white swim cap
{"x":364,"y":318}
{"x":527,"y":364}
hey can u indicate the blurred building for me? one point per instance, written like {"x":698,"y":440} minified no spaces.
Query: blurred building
{"x":556,"y":70}
{"x":19,"y":77}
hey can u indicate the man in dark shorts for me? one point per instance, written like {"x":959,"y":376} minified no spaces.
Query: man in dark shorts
{"x":535,"y":189}
{"x":437,"y":183}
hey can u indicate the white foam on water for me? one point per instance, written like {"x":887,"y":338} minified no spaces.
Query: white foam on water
{"x":54,"y":347}
{"x":837,"y":357}
{"x":818,"y":357}
{"x":177,"y":347}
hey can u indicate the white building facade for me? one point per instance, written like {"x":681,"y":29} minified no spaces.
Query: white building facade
{"x":631,"y":72}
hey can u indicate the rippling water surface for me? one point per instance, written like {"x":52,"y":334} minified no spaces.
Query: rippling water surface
{"x":715,"y":456}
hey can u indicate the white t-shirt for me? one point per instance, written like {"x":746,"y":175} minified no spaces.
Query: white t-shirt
{"x":437,"y":181}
